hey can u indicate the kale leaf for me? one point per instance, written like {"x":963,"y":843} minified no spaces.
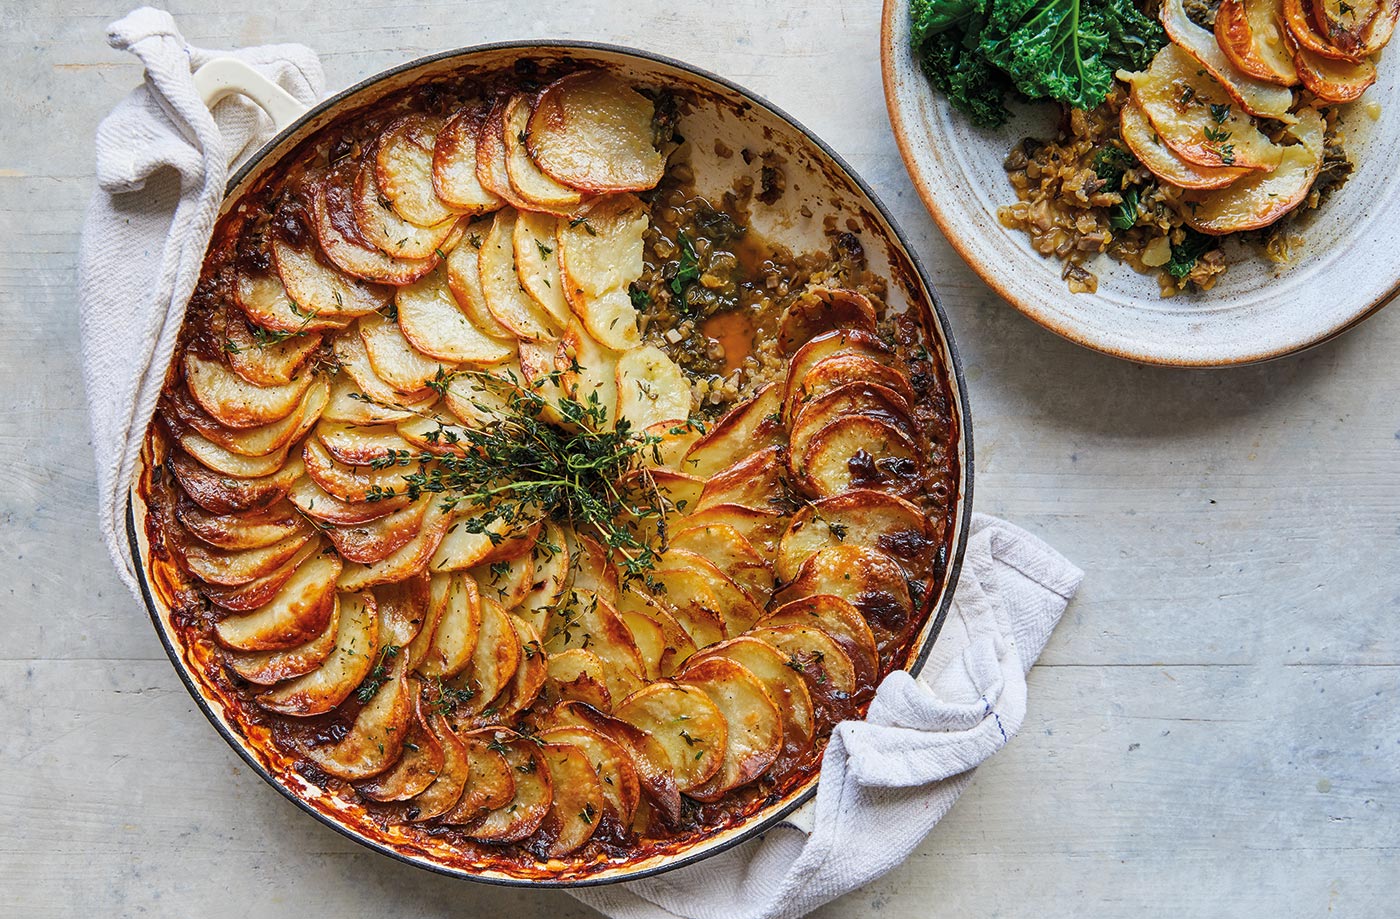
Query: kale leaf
{"x":974,"y":86}
{"x":1185,"y":253}
{"x":1053,"y":49}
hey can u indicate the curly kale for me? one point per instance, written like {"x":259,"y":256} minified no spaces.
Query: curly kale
{"x":977,"y":51}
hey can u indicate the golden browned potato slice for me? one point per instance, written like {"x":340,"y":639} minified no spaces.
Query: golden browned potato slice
{"x":762,"y":527}
{"x":454,"y":163}
{"x":220,"y":494}
{"x":239,"y":567}
{"x":538,"y":190}
{"x":1257,"y":97}
{"x":268,"y":667}
{"x":692,"y":601}
{"x":320,"y":290}
{"x":749,"y":426}
{"x":842,"y":341}
{"x":1259,"y":200}
{"x":348,"y":405}
{"x":381,"y":399}
{"x":497,"y":656}
{"x":728,"y":550}
{"x":333,"y":213}
{"x":451,"y":781}
{"x":435,"y":326}
{"x":259,"y":358}
{"x":591,"y":131}
{"x":577,"y":805}
{"x":646,"y":613}
{"x":784,"y":686}
{"x":830,"y":675}
{"x":438,"y":433}
{"x":600,"y":255}
{"x":269,"y":438}
{"x":376,"y":736}
{"x":859,"y":451}
{"x":356,"y":648}
{"x":537,"y":262}
{"x":527,"y":809}
{"x":611,"y":763}
{"x":506,"y":581}
{"x":839,"y":619}
{"x":491,"y":777}
{"x":550,"y":557}
{"x":236,"y":403}
{"x":410,"y":559}
{"x":361,"y":445}
{"x":820,"y":310}
{"x":1250,"y":32}
{"x":454,"y":640}
{"x":296,"y":615}
{"x":583,"y":619}
{"x":375,"y":541}
{"x":479,"y":402}
{"x":429,"y":610}
{"x":507,"y":301}
{"x":1333,"y":80}
{"x":737,"y":610}
{"x":464,"y":278}
{"x":1194,"y":115}
{"x":648,"y":755}
{"x":650,"y":639}
{"x":470,"y":543}
{"x":650,"y":388}
{"x":229,"y":463}
{"x":265,"y":302}
{"x":315,"y":502}
{"x":851,"y":399}
{"x":590,"y":569}
{"x":394,"y":360}
{"x":868,"y":579}
{"x":577,"y":675}
{"x":689,"y":727}
{"x":259,"y":592}
{"x":404,"y":608}
{"x":1142,"y":140}
{"x":675,"y":437}
{"x":352,"y":484}
{"x":859,"y":518}
{"x":843,"y":369}
{"x":384,"y":228}
{"x":491,"y":156}
{"x":419,"y":766}
{"x":403,"y":171}
{"x":240,"y":531}
{"x":589,"y":373}
{"x":1357,"y":30}
{"x":530,"y":675}
{"x":757,"y":480}
{"x":754,"y":737}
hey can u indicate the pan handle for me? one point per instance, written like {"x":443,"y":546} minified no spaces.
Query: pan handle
{"x":228,"y":76}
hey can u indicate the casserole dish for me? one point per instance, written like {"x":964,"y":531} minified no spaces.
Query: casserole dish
{"x":720,"y":120}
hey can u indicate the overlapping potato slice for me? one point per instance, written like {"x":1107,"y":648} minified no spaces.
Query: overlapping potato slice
{"x":507,"y":581}
{"x":318,"y":504}
{"x":233,"y":401}
{"x":259,"y":357}
{"x":1194,"y":115}
{"x":650,"y":388}
{"x":379,"y":401}
{"x":550,"y":558}
{"x":436,"y":327}
{"x":591,"y":131}
{"x":589,"y":374}
{"x":784,"y":686}
{"x":1333,"y":80}
{"x":403,"y":170}
{"x":419,"y":766}
{"x":394,"y":359}
{"x":820,"y":660}
{"x":647,"y":614}
{"x":241,"y":598}
{"x":762,"y":527}
{"x":535,"y":188}
{"x":1331,"y":31}
{"x":590,"y":568}
{"x":862,"y":518}
{"x":691,"y":599}
{"x":585,"y":620}
{"x":376,"y":736}
{"x":464,"y":279}
{"x":333,"y":213}
{"x":757,"y":480}
{"x":690,"y":728}
{"x":600,"y":255}
{"x":376,"y":540}
{"x":729,"y":551}
{"x":529,"y":805}
{"x":868,"y":579}
{"x":404,"y":608}
{"x":451,"y":781}
{"x":494,"y":660}
{"x":842,"y":369}
{"x":674,"y":438}
{"x":1137,"y":132}
{"x":577,"y":675}
{"x":382,"y":226}
{"x":753,"y":424}
{"x":861,"y":451}
{"x":250,"y":442}
{"x":224,"y":494}
{"x":537,"y":262}
{"x":297,"y":614}
{"x":839,"y":619}
{"x":317,"y":288}
{"x":490,"y":776}
{"x":611,"y":763}
{"x":365,"y":445}
{"x":530,"y":674}
{"x":268,"y":667}
{"x":491,"y":156}
{"x":454,"y":163}
{"x":1251,"y":33}
{"x":351,"y":484}
{"x":577,"y":801}
{"x":648,"y":753}
{"x":840,"y":341}
{"x":754,"y":735}
{"x":229,"y":463}
{"x":506,"y":299}
{"x":472,"y":541}
{"x":1257,"y":97}
{"x":234,"y":531}
{"x":408,"y":560}
{"x":356,"y":648}
{"x":819,"y":310}
{"x":216,"y":566}
{"x":869,"y":399}
{"x":1259,"y":200}
{"x":737,"y":610}
{"x":266,"y":303}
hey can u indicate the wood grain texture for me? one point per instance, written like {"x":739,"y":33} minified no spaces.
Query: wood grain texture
{"x":1213,"y":730}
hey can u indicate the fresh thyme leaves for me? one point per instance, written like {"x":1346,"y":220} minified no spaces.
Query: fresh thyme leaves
{"x":587,"y":814}
{"x":377,"y":675}
{"x":586,"y":225}
{"x":1219,"y":111}
{"x":445,"y":699}
{"x":545,"y":251}
{"x":687,"y":267}
{"x":1216,"y":136}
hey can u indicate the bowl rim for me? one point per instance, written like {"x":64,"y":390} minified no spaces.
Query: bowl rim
{"x":1067,"y":330}
{"x":742,"y":832}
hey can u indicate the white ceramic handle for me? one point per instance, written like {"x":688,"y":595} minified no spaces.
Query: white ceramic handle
{"x":227,"y":76}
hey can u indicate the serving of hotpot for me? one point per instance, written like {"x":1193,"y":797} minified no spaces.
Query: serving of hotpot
{"x":720,"y":118}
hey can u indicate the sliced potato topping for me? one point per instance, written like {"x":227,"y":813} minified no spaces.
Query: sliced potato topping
{"x":591,"y":131}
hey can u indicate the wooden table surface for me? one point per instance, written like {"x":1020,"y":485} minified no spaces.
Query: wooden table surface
{"x":1213,"y":730}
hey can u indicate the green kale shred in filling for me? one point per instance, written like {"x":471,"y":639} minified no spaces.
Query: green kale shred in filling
{"x":977,"y":52}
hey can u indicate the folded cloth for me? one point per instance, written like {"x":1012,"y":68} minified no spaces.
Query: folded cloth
{"x":887,"y":780}
{"x":162,"y":162}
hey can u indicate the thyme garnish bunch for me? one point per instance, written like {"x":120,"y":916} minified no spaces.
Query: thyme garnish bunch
{"x":540,"y":459}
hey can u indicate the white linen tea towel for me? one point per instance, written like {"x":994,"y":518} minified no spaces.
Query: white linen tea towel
{"x":162,"y":162}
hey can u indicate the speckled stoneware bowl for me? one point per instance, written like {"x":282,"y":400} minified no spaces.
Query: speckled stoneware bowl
{"x":1347,"y":269}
